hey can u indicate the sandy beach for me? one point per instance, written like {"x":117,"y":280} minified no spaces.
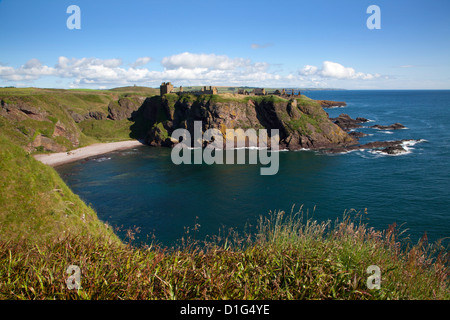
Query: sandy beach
{"x":56,"y":159}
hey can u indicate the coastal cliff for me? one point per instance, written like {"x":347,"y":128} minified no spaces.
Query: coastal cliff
{"x":302,"y":122}
{"x":53,"y":120}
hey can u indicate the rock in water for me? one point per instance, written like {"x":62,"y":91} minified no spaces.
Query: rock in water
{"x":357,"y":134}
{"x":331,"y":104}
{"x":395,"y":126}
{"x":393,"y":150}
{"x":346,"y":123}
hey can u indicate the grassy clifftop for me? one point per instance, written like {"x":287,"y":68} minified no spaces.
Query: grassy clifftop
{"x":53,"y":120}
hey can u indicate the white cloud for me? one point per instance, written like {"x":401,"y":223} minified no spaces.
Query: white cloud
{"x":189,"y":60}
{"x":337,"y":71}
{"x":308,"y":70}
{"x":31,"y":70}
{"x":183,"y":69}
{"x":141,"y":62}
{"x":90,"y":68}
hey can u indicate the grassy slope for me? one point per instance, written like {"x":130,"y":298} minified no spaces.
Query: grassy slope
{"x":56,"y":103}
{"x":36,"y":204}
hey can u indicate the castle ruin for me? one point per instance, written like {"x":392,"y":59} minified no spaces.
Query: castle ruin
{"x":167,"y":87}
{"x":264,"y":92}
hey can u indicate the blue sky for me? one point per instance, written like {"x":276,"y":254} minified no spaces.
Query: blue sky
{"x":321,"y":43}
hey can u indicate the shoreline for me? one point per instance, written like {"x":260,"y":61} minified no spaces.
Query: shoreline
{"x":56,"y":159}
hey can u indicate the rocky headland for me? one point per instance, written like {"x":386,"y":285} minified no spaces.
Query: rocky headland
{"x":302,"y":122}
{"x":42,"y":120}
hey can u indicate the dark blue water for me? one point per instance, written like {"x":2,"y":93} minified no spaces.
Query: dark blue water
{"x":141,"y":187}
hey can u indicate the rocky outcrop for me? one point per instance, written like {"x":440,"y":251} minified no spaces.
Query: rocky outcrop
{"x":332,"y":104}
{"x":395,"y":126}
{"x":393,"y":150}
{"x":20,"y":111}
{"x":44,"y":143}
{"x":124,"y":108}
{"x":96,"y":115}
{"x":76,"y":116}
{"x":388,"y":147}
{"x":357,"y":134}
{"x":346,"y":123}
{"x":300,"y":125}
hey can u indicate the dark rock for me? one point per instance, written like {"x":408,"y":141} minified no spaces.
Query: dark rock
{"x":97,"y":115}
{"x":331,"y":104}
{"x":346,"y":123}
{"x":28,"y":110}
{"x":124,"y":108}
{"x":381,"y":144}
{"x":76,"y":116}
{"x":395,"y":126}
{"x":21,"y":111}
{"x":397,"y":149}
{"x":357,"y":134}
{"x":390,"y":147}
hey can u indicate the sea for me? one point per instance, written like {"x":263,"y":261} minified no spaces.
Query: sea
{"x":141,"y":189}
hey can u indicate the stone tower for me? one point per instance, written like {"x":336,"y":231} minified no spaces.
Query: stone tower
{"x":166,"y":87}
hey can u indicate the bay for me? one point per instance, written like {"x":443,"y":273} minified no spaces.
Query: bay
{"x":142,"y":188}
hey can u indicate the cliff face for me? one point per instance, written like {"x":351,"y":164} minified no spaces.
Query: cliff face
{"x":302,"y":122}
{"x":61,"y":120}
{"x":52,"y":120}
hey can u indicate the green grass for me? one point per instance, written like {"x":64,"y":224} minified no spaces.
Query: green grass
{"x":301,"y":124}
{"x":161,"y":131}
{"x":287,"y":258}
{"x":136,"y":90}
{"x":106,"y":130}
{"x":306,"y":101}
{"x":171,"y":99}
{"x":265,"y":99}
{"x":35,"y":204}
{"x":217,"y":98}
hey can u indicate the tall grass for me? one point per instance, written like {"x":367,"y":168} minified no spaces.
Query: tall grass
{"x":288,"y":257}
